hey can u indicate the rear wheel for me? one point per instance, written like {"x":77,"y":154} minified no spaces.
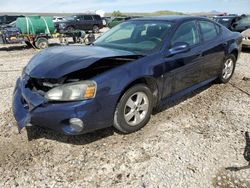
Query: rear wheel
{"x":42,"y":43}
{"x":227,"y":69}
{"x":134,"y":109}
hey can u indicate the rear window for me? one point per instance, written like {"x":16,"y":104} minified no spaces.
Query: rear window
{"x":208,"y":30}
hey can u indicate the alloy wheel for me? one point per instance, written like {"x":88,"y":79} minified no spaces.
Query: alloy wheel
{"x":228,"y":69}
{"x":136,"y":108}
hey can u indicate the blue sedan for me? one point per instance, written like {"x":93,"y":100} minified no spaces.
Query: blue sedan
{"x":131,"y":70}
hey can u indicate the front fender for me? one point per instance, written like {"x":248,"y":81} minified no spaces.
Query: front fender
{"x":111,"y":84}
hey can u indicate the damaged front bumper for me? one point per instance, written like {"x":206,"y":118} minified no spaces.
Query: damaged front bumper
{"x":31,"y":108}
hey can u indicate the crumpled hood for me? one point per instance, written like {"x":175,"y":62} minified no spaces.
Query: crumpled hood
{"x":58,"y":61}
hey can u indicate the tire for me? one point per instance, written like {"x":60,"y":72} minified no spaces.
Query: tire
{"x":227,"y":72}
{"x":95,"y":29}
{"x":42,"y":43}
{"x":123,"y":120}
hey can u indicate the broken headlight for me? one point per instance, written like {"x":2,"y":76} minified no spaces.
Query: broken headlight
{"x":73,"y":91}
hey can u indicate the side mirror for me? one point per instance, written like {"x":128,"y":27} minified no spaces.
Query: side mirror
{"x":177,"y":48}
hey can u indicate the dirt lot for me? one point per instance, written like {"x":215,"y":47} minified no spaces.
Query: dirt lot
{"x":188,"y":145}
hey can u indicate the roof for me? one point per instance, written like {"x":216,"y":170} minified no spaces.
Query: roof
{"x":172,"y":18}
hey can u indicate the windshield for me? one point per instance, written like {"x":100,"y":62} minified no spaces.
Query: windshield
{"x":136,"y":36}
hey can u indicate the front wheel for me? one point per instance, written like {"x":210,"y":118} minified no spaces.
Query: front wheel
{"x":227,"y":69}
{"x":134,"y":109}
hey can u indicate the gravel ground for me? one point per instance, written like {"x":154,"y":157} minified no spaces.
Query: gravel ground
{"x":195,"y":143}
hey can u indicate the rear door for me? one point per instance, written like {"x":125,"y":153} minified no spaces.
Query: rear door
{"x":212,"y":48}
{"x":183,"y":70}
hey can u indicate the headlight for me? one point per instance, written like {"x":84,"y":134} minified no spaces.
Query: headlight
{"x":73,"y":91}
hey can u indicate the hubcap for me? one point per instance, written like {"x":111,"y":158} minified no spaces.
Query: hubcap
{"x":136,"y":108}
{"x":228,"y":69}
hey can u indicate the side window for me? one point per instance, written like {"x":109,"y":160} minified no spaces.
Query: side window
{"x":188,"y":33}
{"x":208,"y":30}
{"x":88,"y":17}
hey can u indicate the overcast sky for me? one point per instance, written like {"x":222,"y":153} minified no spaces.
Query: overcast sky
{"x":231,"y":6}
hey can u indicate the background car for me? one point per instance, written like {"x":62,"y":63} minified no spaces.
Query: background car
{"x":227,"y":21}
{"x":135,"y":68}
{"x":10,"y":34}
{"x":241,"y":24}
{"x":7,"y":19}
{"x":234,"y":23}
{"x":85,"y":22}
